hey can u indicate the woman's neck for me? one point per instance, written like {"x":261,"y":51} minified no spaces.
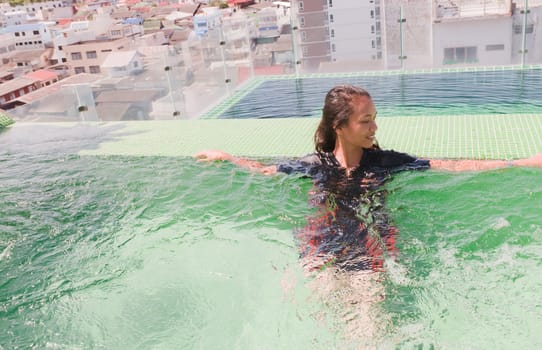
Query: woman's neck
{"x":348,"y":157}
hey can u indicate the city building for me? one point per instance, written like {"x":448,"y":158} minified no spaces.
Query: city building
{"x":31,"y":36}
{"x":12,"y":89}
{"x":341,"y":31}
{"x":465,"y":34}
{"x":122,"y":63}
{"x":87,"y":57}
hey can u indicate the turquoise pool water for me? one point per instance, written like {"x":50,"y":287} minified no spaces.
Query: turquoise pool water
{"x":474,"y":92}
{"x":162,"y":253}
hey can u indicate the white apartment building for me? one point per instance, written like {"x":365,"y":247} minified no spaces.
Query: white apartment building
{"x":25,"y":13}
{"x":14,"y":17}
{"x":489,"y":33}
{"x":7,"y":46}
{"x":486,"y":41}
{"x":31,"y":7}
{"x":532,"y":42}
{"x":336,"y":31}
{"x":30,"y":36}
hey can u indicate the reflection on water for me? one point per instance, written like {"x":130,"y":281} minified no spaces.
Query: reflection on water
{"x":480,"y":92}
{"x":151,"y":252}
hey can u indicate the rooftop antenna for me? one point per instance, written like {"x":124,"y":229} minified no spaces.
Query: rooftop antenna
{"x":197,"y":9}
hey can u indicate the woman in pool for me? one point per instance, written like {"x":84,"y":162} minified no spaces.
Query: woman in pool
{"x":351,"y":230}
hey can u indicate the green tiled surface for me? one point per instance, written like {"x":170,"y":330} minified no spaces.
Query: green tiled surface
{"x":5,"y":120}
{"x":480,"y":137}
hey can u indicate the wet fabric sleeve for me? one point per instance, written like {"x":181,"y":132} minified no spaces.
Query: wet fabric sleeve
{"x":302,"y":166}
{"x":397,"y":161}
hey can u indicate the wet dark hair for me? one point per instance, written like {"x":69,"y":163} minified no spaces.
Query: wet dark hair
{"x":337,"y":109}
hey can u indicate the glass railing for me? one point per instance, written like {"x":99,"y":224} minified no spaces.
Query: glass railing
{"x":190,"y":78}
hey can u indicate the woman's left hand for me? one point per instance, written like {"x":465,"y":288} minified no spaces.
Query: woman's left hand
{"x":533,"y":162}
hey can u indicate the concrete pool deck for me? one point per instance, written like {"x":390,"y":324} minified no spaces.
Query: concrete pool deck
{"x":506,"y":136}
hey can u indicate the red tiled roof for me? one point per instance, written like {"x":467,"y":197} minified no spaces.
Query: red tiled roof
{"x":64,"y":21}
{"x":142,"y":9}
{"x":240,"y":2}
{"x":41,"y":75}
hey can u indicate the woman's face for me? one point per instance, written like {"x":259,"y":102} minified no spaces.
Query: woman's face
{"x":361,"y":127}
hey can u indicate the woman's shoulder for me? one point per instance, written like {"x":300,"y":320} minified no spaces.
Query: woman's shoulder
{"x":393,"y":159}
{"x":314,"y":158}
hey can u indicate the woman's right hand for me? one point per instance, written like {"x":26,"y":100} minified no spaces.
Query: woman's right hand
{"x":212,"y":155}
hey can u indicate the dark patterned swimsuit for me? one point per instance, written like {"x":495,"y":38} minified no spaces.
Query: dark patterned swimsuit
{"x":350,"y":229}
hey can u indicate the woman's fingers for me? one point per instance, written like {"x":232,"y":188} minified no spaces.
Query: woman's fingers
{"x":211,"y":155}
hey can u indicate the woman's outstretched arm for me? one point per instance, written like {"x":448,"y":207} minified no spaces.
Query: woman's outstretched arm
{"x":479,"y":165}
{"x":217,"y":155}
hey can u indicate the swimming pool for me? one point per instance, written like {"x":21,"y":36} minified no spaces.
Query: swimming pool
{"x":410,"y":94}
{"x":157,"y":252}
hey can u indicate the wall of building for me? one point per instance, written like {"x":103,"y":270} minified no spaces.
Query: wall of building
{"x":352,"y":27}
{"x":476,"y":41}
{"x":533,"y":36}
{"x":88,"y":57}
{"x":30,"y":36}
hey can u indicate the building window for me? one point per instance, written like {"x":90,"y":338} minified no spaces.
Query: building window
{"x":59,"y":47}
{"x":36,"y":32}
{"x":91,"y":54}
{"x":107,"y":50}
{"x":330,"y":3}
{"x":518,"y":29}
{"x":301,"y":6}
{"x":303,"y":36}
{"x":115,"y":32}
{"x":333,"y":47}
{"x":301,"y":21}
{"x":373,"y":44}
{"x":455,"y":55}
{"x":498,"y":47}
{"x":64,"y":60}
{"x":94,"y":69}
{"x":372,"y":14}
{"x":332,"y":33}
{"x":331,"y":18}
{"x":372,"y":29}
{"x":76,"y":56}
{"x":17,"y":34}
{"x":78,"y":70}
{"x":305,"y":51}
